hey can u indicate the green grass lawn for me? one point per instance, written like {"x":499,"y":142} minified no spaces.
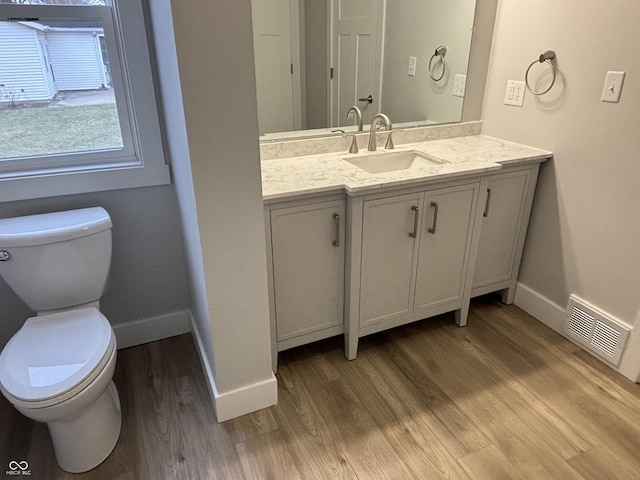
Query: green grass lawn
{"x":41,"y":131}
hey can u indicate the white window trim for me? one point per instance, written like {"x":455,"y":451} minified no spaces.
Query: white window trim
{"x":142,"y":162}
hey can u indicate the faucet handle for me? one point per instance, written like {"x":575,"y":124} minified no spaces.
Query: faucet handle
{"x":354,"y":143}
{"x":389,"y":144}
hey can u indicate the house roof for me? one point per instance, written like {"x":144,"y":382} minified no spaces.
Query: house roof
{"x":64,"y":25}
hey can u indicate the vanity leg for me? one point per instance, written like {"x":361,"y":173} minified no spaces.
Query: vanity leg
{"x":508,"y":294}
{"x":350,"y":345}
{"x":463,"y":313}
{"x":274,"y":362}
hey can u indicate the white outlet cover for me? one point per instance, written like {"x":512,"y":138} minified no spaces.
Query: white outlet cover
{"x":459,"y":85}
{"x":514,"y":94}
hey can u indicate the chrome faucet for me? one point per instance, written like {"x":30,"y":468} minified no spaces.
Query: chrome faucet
{"x":355,"y":110}
{"x":372,"y":132}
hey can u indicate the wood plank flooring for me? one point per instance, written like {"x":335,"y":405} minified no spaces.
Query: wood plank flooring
{"x":503,"y":398}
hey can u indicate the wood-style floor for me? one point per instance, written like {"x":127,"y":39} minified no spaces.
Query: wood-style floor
{"x":503,"y":398}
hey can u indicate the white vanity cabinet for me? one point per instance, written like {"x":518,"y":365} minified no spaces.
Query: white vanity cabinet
{"x":409,"y":259}
{"x":306,"y":267}
{"x":506,"y":205}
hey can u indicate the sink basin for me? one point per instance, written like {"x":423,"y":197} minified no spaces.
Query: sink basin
{"x":393,"y":161}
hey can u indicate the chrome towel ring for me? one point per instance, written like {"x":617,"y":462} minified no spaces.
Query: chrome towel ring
{"x":439,"y":55}
{"x":546,"y":57}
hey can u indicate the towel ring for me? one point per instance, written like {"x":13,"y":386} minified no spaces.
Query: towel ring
{"x":439,"y":54}
{"x":546,"y":57}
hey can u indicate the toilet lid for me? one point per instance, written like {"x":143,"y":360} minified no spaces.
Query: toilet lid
{"x":52,"y":354}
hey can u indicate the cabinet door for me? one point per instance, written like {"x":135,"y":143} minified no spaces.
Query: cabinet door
{"x":308,"y":268}
{"x":501,"y":222}
{"x":444,"y":245}
{"x":388,"y":253}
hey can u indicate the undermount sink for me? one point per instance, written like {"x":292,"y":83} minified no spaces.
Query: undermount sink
{"x":393,"y":161}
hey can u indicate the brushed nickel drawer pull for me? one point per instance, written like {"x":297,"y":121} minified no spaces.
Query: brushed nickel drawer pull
{"x":434,"y":205}
{"x":336,"y":218}
{"x":416,"y":212}
{"x":486,"y":206}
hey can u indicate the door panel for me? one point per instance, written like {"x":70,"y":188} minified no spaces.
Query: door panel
{"x":356,"y":46}
{"x":308,"y":268}
{"x":500,"y":227}
{"x":388,"y":254}
{"x":272,"y":50}
{"x":444,"y":252}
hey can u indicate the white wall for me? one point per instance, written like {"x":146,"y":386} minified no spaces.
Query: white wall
{"x":416,"y":28}
{"x":584,"y":231}
{"x":209,"y":100}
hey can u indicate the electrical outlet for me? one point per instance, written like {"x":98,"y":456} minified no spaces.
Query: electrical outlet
{"x":515,"y":93}
{"x":612,"y":87}
{"x":412,"y":66}
{"x":459,"y":85}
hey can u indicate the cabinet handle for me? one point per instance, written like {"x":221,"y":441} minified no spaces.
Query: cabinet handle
{"x":336,"y":218}
{"x":416,"y":212}
{"x":434,"y":205}
{"x":486,"y":206}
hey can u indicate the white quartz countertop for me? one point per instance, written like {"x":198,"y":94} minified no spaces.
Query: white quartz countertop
{"x":329,"y":173}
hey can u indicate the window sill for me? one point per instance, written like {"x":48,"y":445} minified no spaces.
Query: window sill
{"x":82,"y":181}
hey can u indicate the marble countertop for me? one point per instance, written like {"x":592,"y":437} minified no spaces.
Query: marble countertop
{"x":328,"y":173}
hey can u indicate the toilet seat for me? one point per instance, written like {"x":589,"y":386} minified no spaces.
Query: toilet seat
{"x":54,"y":357}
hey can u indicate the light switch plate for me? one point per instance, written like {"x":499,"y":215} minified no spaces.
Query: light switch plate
{"x":412,"y":66}
{"x":612,"y":87}
{"x":459,"y":85}
{"x":515,"y":93}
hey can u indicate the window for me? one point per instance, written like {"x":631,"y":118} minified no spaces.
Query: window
{"x":77,"y":105}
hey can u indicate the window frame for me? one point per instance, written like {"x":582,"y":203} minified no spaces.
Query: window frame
{"x":141,"y":162}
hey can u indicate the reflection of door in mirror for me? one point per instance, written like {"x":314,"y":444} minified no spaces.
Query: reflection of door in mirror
{"x":375,"y":47}
{"x":274,"y":45}
{"x":356,"y":58}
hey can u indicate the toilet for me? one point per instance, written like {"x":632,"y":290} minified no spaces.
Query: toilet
{"x":58,"y":367}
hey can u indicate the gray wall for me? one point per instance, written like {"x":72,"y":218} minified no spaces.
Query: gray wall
{"x":316,"y":44}
{"x":584,"y":231}
{"x":148,"y":276}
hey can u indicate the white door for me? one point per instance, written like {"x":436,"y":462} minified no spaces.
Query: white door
{"x":273,"y":59}
{"x":356,"y":58}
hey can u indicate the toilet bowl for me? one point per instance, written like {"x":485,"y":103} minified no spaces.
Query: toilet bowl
{"x":58,"y":367}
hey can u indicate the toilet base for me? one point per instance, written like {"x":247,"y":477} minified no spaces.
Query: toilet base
{"x":86,"y":440}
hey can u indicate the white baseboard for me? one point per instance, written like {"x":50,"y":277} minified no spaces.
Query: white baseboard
{"x":540,"y":307}
{"x":153,"y":328}
{"x":553,"y":316}
{"x":238,"y":402}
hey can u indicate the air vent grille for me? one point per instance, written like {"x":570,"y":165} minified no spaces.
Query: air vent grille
{"x":605,"y":338}
{"x":598,"y":332}
{"x":581,"y":323}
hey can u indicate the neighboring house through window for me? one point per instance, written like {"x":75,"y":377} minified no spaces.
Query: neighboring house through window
{"x":74,"y":116}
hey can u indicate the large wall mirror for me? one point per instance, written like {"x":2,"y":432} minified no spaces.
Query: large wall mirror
{"x":317,"y":58}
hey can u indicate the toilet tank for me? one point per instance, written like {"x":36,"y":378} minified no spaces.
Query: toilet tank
{"x":57,"y":260}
